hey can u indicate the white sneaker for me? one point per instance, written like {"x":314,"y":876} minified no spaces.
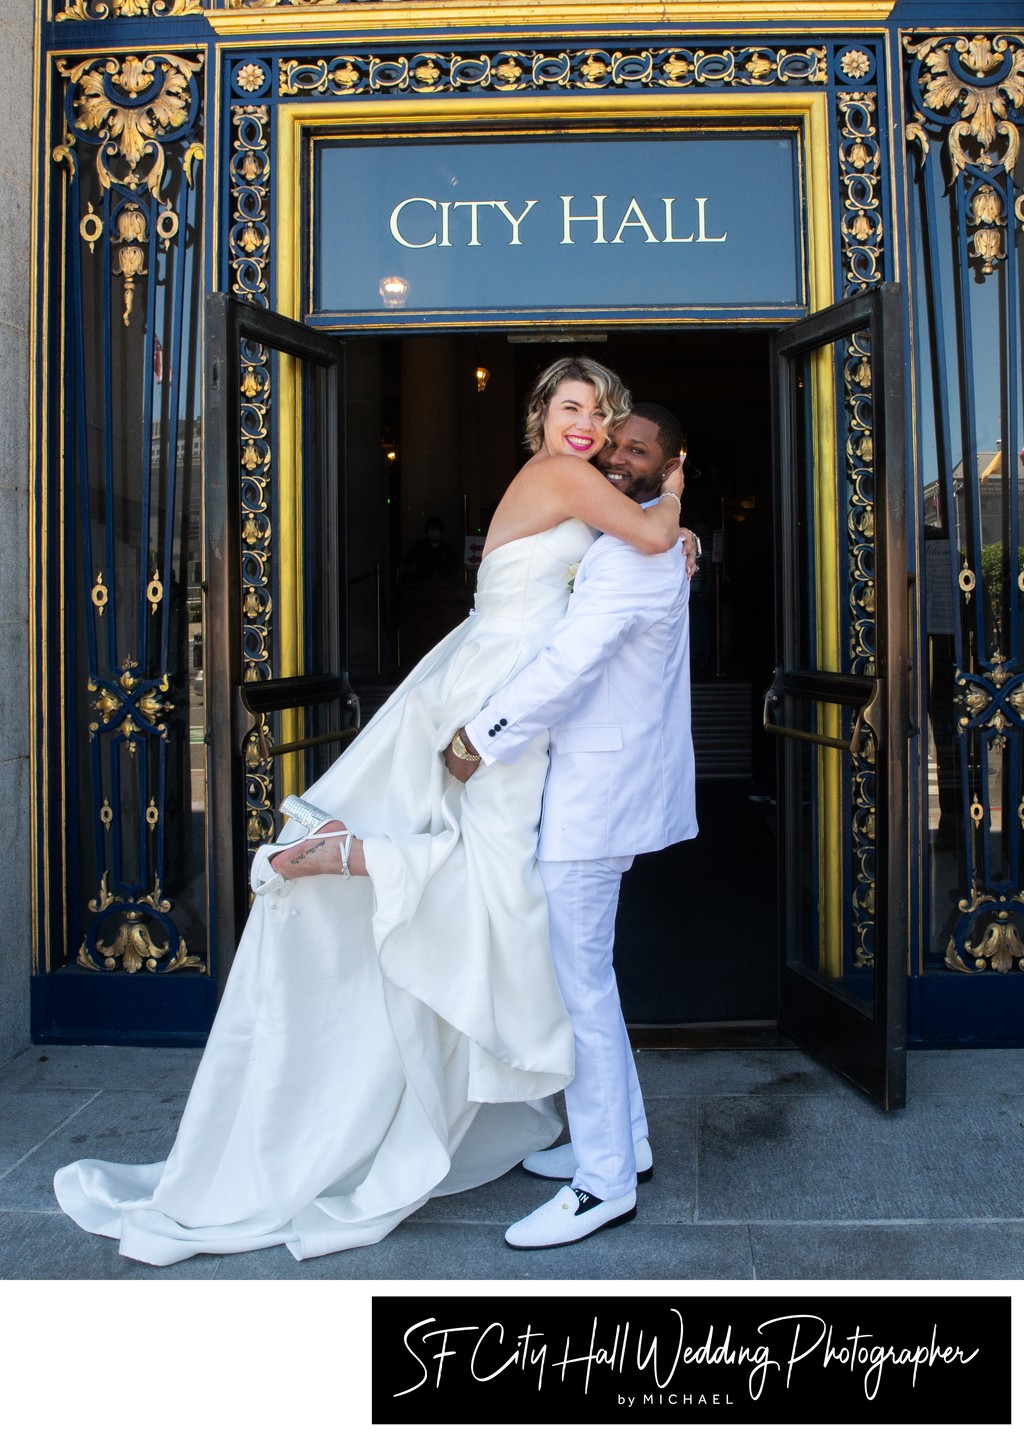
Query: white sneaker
{"x":570,"y":1216}
{"x":561,"y":1162}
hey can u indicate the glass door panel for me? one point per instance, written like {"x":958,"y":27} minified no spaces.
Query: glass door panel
{"x":838,"y":700}
{"x":280,"y":702}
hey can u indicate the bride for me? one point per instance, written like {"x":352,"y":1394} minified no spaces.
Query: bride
{"x":383,"y":1042}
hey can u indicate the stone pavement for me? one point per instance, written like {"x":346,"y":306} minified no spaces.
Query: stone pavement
{"x":767,"y":1167}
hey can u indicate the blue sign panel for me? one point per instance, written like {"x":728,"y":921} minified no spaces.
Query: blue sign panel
{"x":685,"y":222}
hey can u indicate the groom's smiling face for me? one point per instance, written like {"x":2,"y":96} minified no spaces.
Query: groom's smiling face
{"x":633,"y":459}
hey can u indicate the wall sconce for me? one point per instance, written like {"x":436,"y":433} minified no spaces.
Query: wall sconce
{"x":482,"y":376}
{"x":393,"y":290}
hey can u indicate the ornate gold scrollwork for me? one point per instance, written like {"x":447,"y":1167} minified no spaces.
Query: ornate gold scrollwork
{"x":968,"y":87}
{"x":1000,"y":945}
{"x":122,"y":701}
{"x":105,"y":899}
{"x":154,"y":591}
{"x":861,"y":171}
{"x":999,"y":692}
{"x":982,"y":105}
{"x":586,"y":69}
{"x":129,"y":107}
{"x":134,"y":945}
{"x":184,"y":959}
{"x":128,"y":9}
{"x":106,"y":104}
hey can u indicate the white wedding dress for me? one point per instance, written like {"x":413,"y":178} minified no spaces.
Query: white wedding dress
{"x":379,"y":1043}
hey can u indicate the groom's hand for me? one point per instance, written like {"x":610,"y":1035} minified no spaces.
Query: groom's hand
{"x":461,"y":768}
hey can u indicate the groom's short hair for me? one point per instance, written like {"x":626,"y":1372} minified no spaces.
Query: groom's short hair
{"x":670,"y":431}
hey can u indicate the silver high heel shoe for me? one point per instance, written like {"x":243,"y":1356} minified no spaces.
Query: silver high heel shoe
{"x":263,"y":877}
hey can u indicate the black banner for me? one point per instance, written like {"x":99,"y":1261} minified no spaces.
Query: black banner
{"x":792,"y":1359}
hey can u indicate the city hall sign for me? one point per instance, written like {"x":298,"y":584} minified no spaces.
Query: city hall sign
{"x":557,"y":227}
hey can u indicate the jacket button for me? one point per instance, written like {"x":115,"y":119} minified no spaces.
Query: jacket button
{"x":503,"y":722}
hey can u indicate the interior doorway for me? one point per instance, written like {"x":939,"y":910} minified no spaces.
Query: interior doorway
{"x":434,"y":434}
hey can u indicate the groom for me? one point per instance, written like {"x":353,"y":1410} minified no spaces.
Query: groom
{"x":613,"y":687}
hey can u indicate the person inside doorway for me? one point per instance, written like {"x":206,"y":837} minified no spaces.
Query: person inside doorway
{"x":612,"y":686}
{"x":381,"y":1043}
{"x":431,"y":560}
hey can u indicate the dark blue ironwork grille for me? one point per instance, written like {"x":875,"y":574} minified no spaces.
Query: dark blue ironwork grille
{"x":132,"y":436}
{"x":966,"y":95}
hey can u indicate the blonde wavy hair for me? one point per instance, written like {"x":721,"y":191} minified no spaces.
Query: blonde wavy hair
{"x":611,"y":394}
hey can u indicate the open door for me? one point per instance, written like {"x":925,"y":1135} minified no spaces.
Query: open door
{"x":279,"y":703}
{"x":838,"y":703}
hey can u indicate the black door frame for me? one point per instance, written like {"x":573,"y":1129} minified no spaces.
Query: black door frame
{"x":866,"y":1042}
{"x":234,"y":706}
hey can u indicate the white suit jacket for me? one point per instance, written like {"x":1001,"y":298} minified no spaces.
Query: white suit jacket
{"x":612,"y":685}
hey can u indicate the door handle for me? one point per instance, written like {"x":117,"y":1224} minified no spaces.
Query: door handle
{"x":852,"y":744}
{"x":270,"y":750}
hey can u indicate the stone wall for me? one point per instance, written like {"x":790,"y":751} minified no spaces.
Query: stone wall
{"x":17,"y":21}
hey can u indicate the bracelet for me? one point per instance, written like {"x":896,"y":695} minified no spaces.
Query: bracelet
{"x":667,"y":494}
{"x":460,"y":750}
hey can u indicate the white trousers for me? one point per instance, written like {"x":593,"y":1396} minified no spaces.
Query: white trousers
{"x":603,"y":1102}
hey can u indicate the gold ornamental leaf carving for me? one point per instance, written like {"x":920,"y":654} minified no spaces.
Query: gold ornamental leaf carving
{"x":984,"y":108}
{"x":758,"y":66}
{"x":105,"y":899}
{"x":131,"y":224}
{"x":132,"y":130}
{"x":134,"y":944}
{"x":979,"y":55}
{"x":184,"y":959}
{"x":986,"y":207}
{"x":1000,"y":944}
{"x":988,"y":247}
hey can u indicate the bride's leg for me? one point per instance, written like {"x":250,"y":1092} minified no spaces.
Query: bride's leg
{"x":320,"y":854}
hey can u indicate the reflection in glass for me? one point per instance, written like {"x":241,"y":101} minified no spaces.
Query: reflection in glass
{"x":829,"y":791}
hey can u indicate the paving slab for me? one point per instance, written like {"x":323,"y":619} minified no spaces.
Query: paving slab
{"x":117,"y":1127}
{"x":49,"y":1246}
{"x":767,"y":1167}
{"x":692,"y":1073}
{"x":476,"y":1252}
{"x":117,"y":1069}
{"x":974,"y":1074}
{"x":813,"y":1159}
{"x":889,"y":1252}
{"x":34,"y":1118}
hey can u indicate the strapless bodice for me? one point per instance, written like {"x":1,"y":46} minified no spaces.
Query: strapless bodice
{"x":525,"y":584}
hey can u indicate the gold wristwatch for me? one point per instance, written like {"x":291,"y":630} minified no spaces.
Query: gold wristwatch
{"x":460,"y":750}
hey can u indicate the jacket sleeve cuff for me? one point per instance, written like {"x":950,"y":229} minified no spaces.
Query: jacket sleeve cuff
{"x":477,"y":735}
